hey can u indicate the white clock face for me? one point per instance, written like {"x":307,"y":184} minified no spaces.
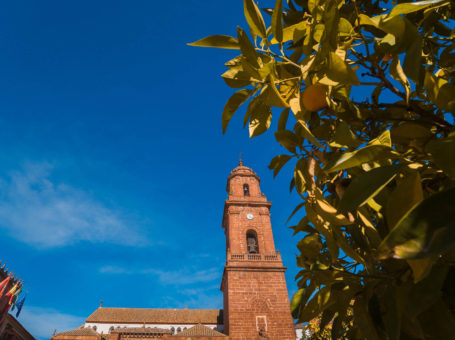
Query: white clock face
{"x":249,"y":216}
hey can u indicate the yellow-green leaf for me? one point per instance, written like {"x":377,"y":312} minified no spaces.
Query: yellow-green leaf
{"x":287,"y":139}
{"x":260,"y":119}
{"x":406,"y":195}
{"x":247,"y":48}
{"x":277,"y":163}
{"x":366,"y":186}
{"x":218,"y":41}
{"x":277,"y":21}
{"x":397,"y":73}
{"x":233,"y":104}
{"x":443,"y":153}
{"x":273,"y":98}
{"x":355,"y":158}
{"x":410,"y":7}
{"x":339,"y":71}
{"x":254,"y":18}
{"x":426,"y":230}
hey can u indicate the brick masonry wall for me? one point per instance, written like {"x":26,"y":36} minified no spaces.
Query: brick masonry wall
{"x":256,"y":301}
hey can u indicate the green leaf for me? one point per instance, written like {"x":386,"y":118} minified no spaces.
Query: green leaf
{"x":277,"y":21}
{"x":273,"y":98}
{"x":297,"y":208}
{"x":237,"y":78}
{"x":254,"y":18}
{"x":443,"y":153}
{"x":440,"y":91}
{"x":412,"y":63}
{"x":283,"y":119}
{"x":307,"y":134}
{"x":344,"y":137}
{"x":320,"y":301}
{"x":288,"y":32}
{"x":247,"y":48}
{"x":438,"y":322}
{"x":218,"y":41}
{"x":295,"y":302}
{"x":300,"y":174}
{"x":383,"y":139}
{"x":427,"y":292}
{"x":233,"y":104}
{"x":312,"y":4}
{"x":406,"y":195}
{"x":339,"y":71}
{"x":408,"y":131}
{"x":410,"y":7}
{"x":355,"y":158}
{"x":287,"y":139}
{"x":260,"y":119}
{"x":426,"y":230}
{"x":397,"y":73}
{"x":363,"y":319}
{"x":366,"y":186}
{"x":277,"y":163}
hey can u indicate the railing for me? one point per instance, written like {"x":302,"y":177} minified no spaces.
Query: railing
{"x":254,"y":257}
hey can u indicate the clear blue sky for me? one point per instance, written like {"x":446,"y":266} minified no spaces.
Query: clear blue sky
{"x":113,"y":166}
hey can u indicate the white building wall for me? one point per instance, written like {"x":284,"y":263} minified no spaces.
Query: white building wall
{"x":299,"y":334}
{"x":104,"y":327}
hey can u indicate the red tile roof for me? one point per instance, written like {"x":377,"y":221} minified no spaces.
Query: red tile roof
{"x":80,"y":331}
{"x":156,"y":316}
{"x":200,"y":330}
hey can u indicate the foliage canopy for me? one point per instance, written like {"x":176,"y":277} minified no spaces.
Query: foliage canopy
{"x":376,"y":176}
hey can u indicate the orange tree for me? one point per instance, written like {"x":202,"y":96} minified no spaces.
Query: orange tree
{"x":376,"y":177}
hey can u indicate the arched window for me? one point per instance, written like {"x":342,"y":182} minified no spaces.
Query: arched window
{"x":246,"y":190}
{"x":111,"y":328}
{"x":94,"y":328}
{"x":173,"y":330}
{"x":252,"y":242}
{"x":184,"y":328}
{"x":179,"y":330}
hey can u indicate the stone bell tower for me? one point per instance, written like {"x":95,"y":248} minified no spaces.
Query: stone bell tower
{"x":256,"y":302}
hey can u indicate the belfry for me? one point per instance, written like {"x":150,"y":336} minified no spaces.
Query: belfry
{"x":255,"y":297}
{"x":256,"y":302}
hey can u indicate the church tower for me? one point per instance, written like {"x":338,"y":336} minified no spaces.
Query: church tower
{"x":256,"y":302}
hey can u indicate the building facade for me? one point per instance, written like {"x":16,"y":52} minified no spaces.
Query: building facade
{"x":255,"y":297}
{"x":10,"y":327}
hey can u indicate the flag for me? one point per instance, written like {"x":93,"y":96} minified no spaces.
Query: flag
{"x":3,"y":284}
{"x":11,"y":293}
{"x":19,"y":306}
{"x":16,"y":297}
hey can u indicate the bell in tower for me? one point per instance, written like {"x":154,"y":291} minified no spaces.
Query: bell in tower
{"x":252,"y":242}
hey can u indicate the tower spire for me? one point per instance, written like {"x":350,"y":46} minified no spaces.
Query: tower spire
{"x":240,"y":159}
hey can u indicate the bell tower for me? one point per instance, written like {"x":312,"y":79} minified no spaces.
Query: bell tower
{"x":256,"y":302}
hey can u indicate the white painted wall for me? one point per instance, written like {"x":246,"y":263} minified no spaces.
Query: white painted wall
{"x":299,"y":334}
{"x":104,"y":327}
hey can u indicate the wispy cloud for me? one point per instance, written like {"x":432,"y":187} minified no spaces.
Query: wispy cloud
{"x":184,"y":276}
{"x":41,"y":322}
{"x":41,"y":212}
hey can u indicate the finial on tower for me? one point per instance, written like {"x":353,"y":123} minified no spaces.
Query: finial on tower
{"x":240,"y":159}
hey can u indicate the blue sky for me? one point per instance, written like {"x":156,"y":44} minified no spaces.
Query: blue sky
{"x":113,"y":166}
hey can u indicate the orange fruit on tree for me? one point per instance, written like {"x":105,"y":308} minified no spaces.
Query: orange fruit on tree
{"x":387,"y":58}
{"x":313,"y":97}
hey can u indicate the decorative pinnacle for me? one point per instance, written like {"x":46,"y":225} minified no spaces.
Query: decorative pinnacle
{"x":240,"y":159}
